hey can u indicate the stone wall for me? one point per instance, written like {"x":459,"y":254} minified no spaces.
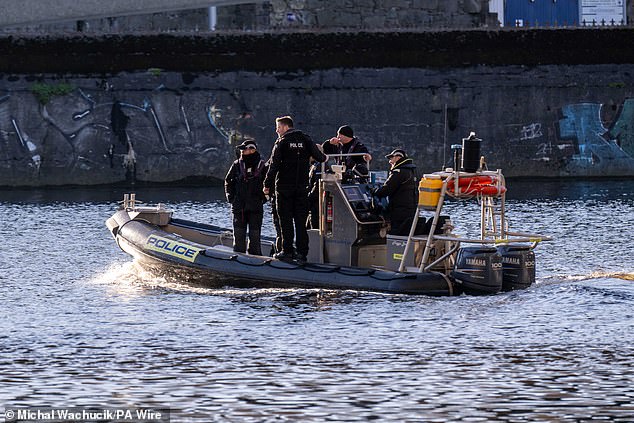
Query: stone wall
{"x":184,"y":20}
{"x":380,"y":14}
{"x":165,"y":127}
{"x":103,"y":114}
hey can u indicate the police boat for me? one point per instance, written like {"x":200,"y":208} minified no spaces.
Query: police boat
{"x":352,"y":248}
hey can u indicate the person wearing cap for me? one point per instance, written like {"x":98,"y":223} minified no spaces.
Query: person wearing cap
{"x":288,"y":177}
{"x":243,"y":188}
{"x":401,"y":190}
{"x":346,"y":143}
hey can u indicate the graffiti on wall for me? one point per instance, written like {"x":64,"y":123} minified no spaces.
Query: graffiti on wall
{"x":594,"y":145}
{"x":95,"y":135}
{"x":26,"y":145}
{"x":532,"y":131}
{"x":622,"y":130}
{"x":580,"y":142}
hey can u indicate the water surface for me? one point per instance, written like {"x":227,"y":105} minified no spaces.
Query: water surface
{"x":84,"y":326}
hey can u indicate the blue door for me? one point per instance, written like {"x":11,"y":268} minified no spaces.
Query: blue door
{"x":541,"y":13}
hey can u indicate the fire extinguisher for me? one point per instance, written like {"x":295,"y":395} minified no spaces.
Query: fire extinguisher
{"x":329,"y":211}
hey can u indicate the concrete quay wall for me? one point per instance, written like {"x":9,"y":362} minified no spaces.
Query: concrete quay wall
{"x":167,"y":108}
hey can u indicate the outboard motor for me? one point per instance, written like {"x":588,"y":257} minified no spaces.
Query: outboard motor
{"x":478,"y":270}
{"x":518,"y":266}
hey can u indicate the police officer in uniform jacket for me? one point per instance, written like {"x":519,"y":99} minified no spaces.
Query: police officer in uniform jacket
{"x":346,"y":143}
{"x":243,"y":188}
{"x":401,"y":190}
{"x":288,"y":176}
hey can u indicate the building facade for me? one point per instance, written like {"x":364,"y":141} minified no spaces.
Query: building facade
{"x":325,"y":15}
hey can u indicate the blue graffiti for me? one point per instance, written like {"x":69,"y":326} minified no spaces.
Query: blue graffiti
{"x":214,"y":115}
{"x":594,"y":147}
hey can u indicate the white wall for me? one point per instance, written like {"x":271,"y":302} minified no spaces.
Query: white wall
{"x":497,"y":6}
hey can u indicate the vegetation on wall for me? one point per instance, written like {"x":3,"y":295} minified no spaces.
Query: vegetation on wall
{"x":45,"y":92}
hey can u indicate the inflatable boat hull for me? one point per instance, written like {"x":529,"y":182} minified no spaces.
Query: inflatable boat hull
{"x":217,"y":266}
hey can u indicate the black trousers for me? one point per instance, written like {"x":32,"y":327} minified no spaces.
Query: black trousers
{"x":292,"y":211}
{"x":250,"y":221}
{"x":276,"y":223}
{"x":401,"y":220}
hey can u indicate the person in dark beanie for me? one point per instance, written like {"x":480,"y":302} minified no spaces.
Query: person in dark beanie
{"x":401,"y":190}
{"x":288,"y":176}
{"x":346,"y":143}
{"x":243,"y":188}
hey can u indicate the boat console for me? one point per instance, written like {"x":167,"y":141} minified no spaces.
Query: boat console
{"x":352,"y":232}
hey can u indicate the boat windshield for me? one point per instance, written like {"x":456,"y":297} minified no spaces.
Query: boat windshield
{"x":353,"y":192}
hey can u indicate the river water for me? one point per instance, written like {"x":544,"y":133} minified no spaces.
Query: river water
{"x":82,"y":326}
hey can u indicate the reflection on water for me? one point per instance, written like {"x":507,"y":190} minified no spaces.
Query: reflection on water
{"x":84,"y":326}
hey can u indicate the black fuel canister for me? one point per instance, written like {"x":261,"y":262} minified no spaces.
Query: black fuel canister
{"x":471,"y":153}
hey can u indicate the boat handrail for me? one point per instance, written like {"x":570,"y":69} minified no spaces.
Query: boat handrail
{"x":530,"y":235}
{"x":452,"y":250}
{"x":330,"y":156}
{"x":129,"y":201}
{"x":520,"y":237}
{"x":534,"y":238}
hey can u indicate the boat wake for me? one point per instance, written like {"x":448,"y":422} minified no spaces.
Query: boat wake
{"x":127,"y":279}
{"x":624,"y":276}
{"x":554,"y":279}
{"x":131,"y":278}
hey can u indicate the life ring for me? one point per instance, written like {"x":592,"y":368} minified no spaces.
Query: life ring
{"x":477,"y":180}
{"x":492,"y":190}
{"x":487,"y":185}
{"x":469,"y":186}
{"x":486,"y":190}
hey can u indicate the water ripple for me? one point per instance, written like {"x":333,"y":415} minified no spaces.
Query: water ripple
{"x":84,"y":326}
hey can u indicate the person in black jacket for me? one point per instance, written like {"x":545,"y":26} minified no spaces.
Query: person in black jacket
{"x":288,"y":177}
{"x":346,"y":143}
{"x":401,"y":190}
{"x":243,"y":188}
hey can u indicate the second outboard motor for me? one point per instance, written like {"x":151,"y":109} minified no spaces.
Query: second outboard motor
{"x":478,"y":270}
{"x":518,"y":266}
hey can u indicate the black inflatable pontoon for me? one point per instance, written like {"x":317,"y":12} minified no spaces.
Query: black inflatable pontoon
{"x":209,"y":261}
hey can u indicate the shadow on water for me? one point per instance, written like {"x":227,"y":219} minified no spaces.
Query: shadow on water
{"x":106,"y":194}
{"x":520,"y":189}
{"x":570,"y":189}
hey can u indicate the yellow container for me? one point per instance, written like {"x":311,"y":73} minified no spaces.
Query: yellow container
{"x":429,"y":192}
